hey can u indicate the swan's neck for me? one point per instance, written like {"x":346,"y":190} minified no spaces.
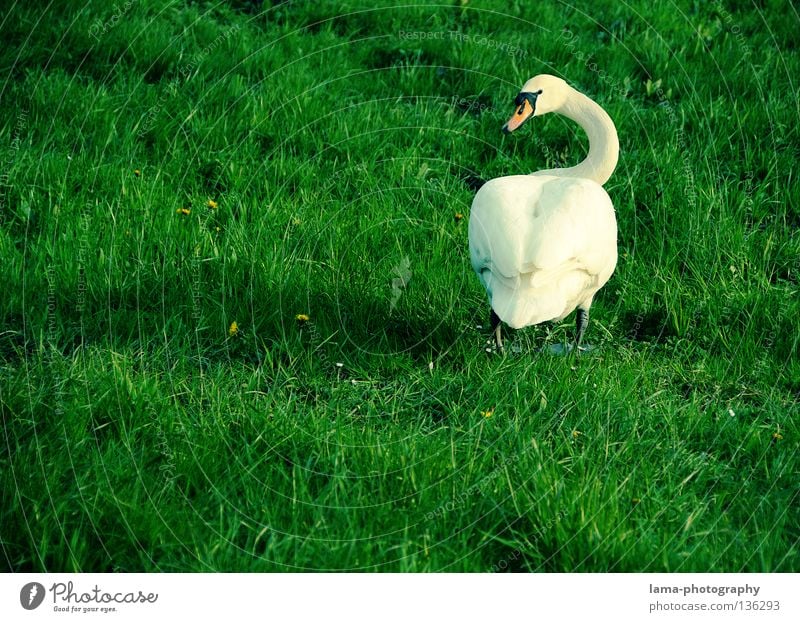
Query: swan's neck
{"x":603,"y":141}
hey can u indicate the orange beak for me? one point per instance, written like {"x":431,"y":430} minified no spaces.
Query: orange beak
{"x":523,"y":113}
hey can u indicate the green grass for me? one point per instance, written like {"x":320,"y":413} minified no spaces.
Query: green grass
{"x":139,"y":435}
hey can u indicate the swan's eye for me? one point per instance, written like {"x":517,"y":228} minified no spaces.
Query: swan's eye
{"x":529,"y":97}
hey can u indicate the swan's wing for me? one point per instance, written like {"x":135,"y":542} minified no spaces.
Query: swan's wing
{"x":572,"y":226}
{"x":499,"y":225}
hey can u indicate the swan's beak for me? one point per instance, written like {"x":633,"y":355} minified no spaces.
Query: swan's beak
{"x":523,"y":113}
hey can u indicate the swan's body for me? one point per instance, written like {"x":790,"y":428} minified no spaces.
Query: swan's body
{"x":543,"y":244}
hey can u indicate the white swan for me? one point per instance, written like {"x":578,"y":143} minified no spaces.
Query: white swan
{"x":543,"y":244}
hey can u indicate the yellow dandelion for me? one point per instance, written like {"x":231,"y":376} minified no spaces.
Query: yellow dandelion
{"x":459,"y":216}
{"x":217,"y":229}
{"x":777,"y":436}
{"x":576,"y":433}
{"x":212,"y":204}
{"x":302,"y":318}
{"x":487,"y":413}
{"x":183,"y":210}
{"x":233,"y":329}
{"x":137,"y":172}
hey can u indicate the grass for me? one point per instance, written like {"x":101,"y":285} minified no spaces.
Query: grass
{"x":140,"y":434}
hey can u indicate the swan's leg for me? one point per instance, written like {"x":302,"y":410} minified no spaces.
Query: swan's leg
{"x":581,"y":321}
{"x":494,"y":321}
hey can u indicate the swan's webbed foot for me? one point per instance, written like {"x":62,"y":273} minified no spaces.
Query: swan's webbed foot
{"x":581,"y":321}
{"x":496,"y":339}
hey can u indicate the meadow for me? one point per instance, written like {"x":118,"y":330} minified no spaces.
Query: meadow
{"x":240,"y":330}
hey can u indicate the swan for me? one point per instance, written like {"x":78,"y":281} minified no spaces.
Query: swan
{"x":543,"y":244}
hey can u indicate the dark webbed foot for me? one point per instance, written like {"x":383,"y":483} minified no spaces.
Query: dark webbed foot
{"x":494,"y":322}
{"x":581,"y":321}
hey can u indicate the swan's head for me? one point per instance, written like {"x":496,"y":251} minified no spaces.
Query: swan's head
{"x":539,"y":95}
